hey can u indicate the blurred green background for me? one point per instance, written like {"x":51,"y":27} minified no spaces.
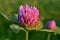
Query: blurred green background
{"x":49,"y":10}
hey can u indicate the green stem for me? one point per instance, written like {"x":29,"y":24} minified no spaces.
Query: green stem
{"x":48,"y":36}
{"x":26,"y":35}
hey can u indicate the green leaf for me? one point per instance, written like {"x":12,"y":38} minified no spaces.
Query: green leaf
{"x":16,"y":16}
{"x":57,"y":31}
{"x":6,"y":16}
{"x":16,"y":28}
{"x":47,"y":30}
{"x":13,"y":19}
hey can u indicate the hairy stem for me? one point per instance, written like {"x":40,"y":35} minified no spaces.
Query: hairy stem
{"x":26,"y":35}
{"x":48,"y":38}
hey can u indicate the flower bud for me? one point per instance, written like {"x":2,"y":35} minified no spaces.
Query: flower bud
{"x":51,"y":24}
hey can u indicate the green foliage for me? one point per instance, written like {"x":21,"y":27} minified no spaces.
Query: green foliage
{"x":49,"y":9}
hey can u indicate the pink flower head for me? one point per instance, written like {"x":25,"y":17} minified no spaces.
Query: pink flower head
{"x":27,"y":15}
{"x":51,"y":24}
